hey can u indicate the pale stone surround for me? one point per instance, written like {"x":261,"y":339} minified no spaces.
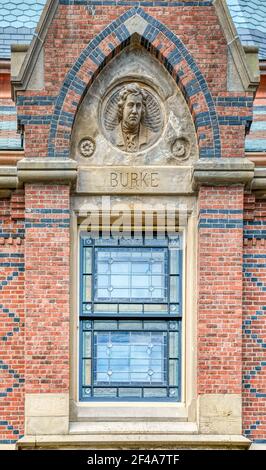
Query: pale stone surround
{"x":112,"y":411}
{"x":46,"y":413}
{"x":220,"y":413}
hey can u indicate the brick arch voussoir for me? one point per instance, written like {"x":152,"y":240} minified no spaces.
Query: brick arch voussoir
{"x":167,"y":48}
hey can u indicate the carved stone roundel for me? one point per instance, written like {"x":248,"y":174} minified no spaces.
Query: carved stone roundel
{"x":87,"y":147}
{"x":132,"y":117}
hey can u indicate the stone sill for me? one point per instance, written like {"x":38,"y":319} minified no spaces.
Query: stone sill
{"x":136,"y":441}
{"x":130,"y":428}
{"x":109,"y":411}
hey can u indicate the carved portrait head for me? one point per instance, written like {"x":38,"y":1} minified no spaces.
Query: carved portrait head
{"x":134,"y":118}
{"x":131,"y":105}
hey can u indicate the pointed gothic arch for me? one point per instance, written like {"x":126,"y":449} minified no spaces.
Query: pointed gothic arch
{"x":165,"y":46}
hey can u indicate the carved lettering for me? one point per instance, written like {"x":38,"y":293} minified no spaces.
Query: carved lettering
{"x":155,"y":180}
{"x":134,"y":180}
{"x":114,"y":180}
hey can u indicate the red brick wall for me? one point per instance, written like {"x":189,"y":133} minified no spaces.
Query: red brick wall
{"x":47,"y":248}
{"x":220,"y":290}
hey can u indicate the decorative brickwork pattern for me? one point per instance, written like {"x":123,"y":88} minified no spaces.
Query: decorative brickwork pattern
{"x":12,"y":358}
{"x":254,"y":321}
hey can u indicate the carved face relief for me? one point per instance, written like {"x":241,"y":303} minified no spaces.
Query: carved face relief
{"x":132,"y":118}
{"x":132,"y":115}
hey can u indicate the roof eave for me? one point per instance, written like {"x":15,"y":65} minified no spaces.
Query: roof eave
{"x":248,"y":75}
{"x":20,"y":81}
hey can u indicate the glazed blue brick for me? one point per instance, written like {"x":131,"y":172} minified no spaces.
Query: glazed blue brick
{"x":193,"y":87}
{"x":35,"y":100}
{"x":238,"y":102}
{"x":255,"y":222}
{"x":77,"y":85}
{"x":175,"y":57}
{"x":234,"y":120}
{"x":150,"y":32}
{"x":202,"y":119}
{"x":254,"y":233}
{"x":206,"y":152}
{"x":34,"y":120}
{"x":220,"y":223}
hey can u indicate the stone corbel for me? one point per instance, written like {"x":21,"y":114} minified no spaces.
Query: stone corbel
{"x":222,"y":172}
{"x":46,"y":170}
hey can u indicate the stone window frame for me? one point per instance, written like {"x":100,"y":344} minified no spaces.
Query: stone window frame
{"x":186,"y":409}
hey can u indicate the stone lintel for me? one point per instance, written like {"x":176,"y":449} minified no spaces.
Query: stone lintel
{"x":223,"y":172}
{"x":34,"y":170}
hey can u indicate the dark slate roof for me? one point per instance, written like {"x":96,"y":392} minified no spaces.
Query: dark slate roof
{"x":250,"y":20}
{"x":18,"y":20}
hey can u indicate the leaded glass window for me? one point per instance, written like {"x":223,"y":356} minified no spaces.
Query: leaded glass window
{"x":130,"y":318}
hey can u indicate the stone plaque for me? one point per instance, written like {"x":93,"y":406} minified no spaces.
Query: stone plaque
{"x":134,"y":180}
